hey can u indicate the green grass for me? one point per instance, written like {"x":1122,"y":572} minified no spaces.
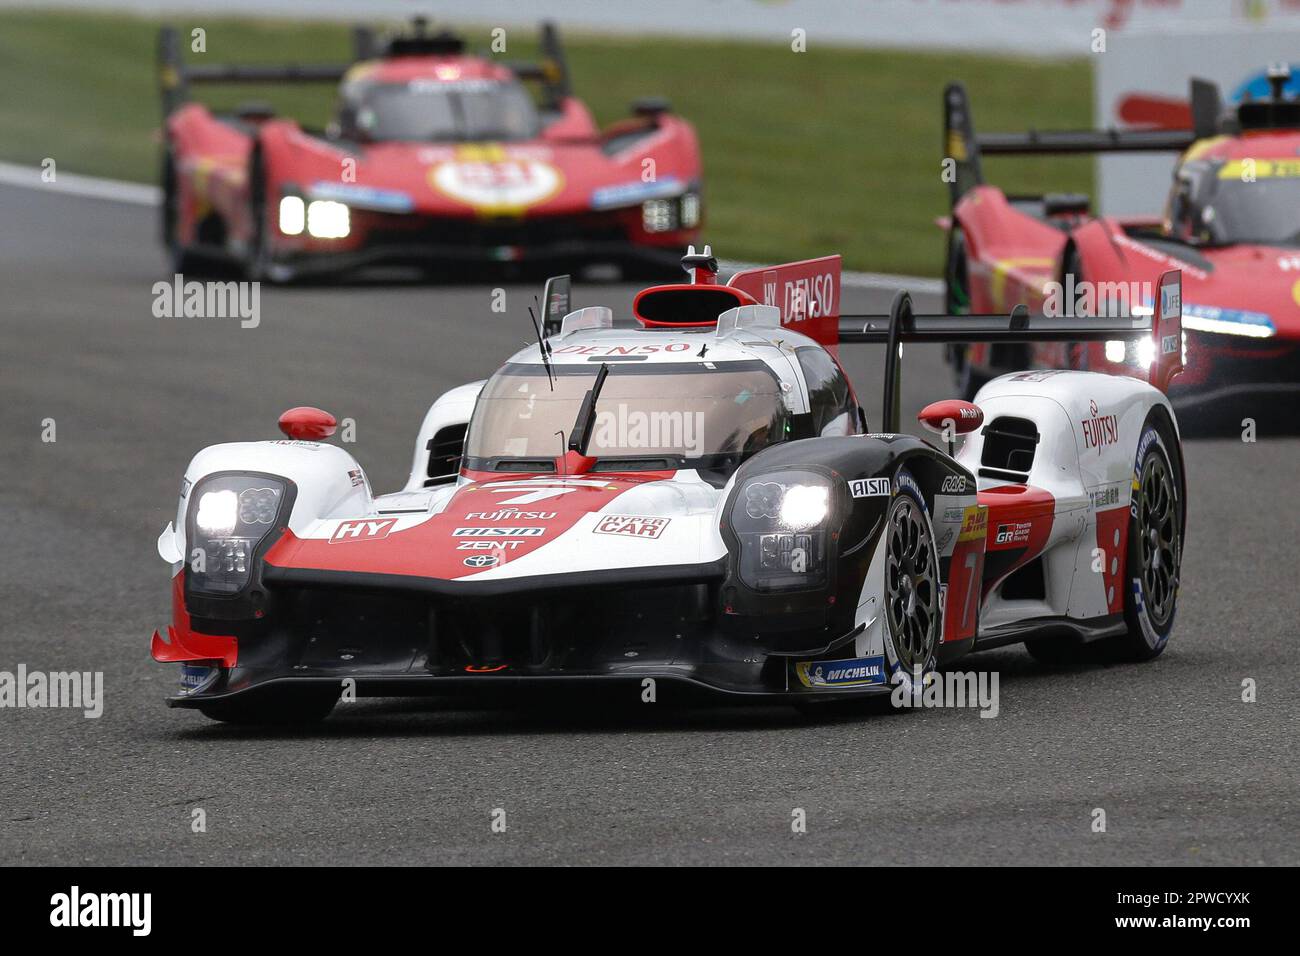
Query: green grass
{"x":832,"y":150}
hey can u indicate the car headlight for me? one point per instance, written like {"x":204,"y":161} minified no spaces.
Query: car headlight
{"x":293,"y":215}
{"x":230,"y":516}
{"x":690,"y":210}
{"x":782,"y":524}
{"x":327,"y":219}
{"x":659,"y":215}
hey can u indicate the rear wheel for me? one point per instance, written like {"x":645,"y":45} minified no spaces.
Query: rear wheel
{"x":1155,"y":545}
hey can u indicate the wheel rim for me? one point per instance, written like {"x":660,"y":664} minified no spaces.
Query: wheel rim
{"x":912,"y":584}
{"x":1158,"y":545}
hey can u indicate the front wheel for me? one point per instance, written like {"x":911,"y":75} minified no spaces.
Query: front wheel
{"x":912,"y":613}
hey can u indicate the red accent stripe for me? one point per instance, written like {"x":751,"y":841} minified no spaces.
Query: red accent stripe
{"x":183,"y":643}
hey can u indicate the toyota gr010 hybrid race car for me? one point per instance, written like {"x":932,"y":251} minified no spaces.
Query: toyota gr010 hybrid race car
{"x":435,"y":158}
{"x":1231,"y":226}
{"x":697,"y":500}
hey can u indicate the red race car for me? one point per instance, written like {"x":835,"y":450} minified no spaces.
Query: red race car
{"x":1231,"y":225}
{"x":435,"y":158}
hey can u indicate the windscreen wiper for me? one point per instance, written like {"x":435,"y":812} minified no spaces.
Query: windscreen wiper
{"x":580,"y":435}
{"x":544,"y":347}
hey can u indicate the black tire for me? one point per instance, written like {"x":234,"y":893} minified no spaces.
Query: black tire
{"x":913,"y":617}
{"x":258,"y":257}
{"x":1156,"y":535}
{"x":179,"y":258}
{"x":956,"y":301}
{"x":274,"y":709}
{"x":1072,"y":265}
{"x":261,"y":265}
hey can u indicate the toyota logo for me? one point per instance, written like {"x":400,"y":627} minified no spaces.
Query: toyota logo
{"x":481,"y":561}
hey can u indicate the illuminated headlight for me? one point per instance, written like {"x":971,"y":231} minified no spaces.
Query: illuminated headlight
{"x":230,"y":516}
{"x":1146,"y":353}
{"x":218,"y":512}
{"x":690,"y":214}
{"x":327,"y":219}
{"x":781,"y":523}
{"x":1115,"y":351}
{"x":659,"y":215}
{"x":293,"y":215}
{"x":805,"y":506}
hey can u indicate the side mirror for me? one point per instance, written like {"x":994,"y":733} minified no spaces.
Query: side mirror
{"x":307,"y":423}
{"x":951,"y":418}
{"x":651,"y":106}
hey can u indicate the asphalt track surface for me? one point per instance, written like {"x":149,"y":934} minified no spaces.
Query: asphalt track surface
{"x":1186,"y":772}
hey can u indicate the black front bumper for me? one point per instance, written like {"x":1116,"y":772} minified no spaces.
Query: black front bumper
{"x":418,"y":637}
{"x":435,"y":244}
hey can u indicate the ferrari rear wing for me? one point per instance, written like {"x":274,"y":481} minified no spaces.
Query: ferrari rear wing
{"x":964,"y":146}
{"x":1163,"y":326}
{"x":175,"y":76}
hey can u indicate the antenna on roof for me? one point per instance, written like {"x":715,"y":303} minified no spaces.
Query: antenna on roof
{"x":1279,"y":75}
{"x":701,"y":267}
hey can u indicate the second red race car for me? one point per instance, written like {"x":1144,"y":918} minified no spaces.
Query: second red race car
{"x":1231,"y":226}
{"x":435,"y":158}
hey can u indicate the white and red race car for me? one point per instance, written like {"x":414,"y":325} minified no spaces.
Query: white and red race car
{"x":697,"y":500}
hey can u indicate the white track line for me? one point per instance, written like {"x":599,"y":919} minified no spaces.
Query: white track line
{"x":74,"y":185}
{"x":139,"y":194}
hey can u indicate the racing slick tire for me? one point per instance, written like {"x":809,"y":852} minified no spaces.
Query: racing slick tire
{"x":274,"y":709}
{"x":1157,"y":522}
{"x":913,"y":615}
{"x":180,"y":260}
{"x":913,"y":612}
{"x":261,"y":264}
{"x":956,"y":301}
{"x":1153,"y":560}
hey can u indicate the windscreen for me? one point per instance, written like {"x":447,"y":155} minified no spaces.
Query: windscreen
{"x":440,"y":111}
{"x":1252,"y":201}
{"x":707,"y":416}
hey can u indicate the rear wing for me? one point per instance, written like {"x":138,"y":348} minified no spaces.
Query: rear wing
{"x":1163,"y":327}
{"x":175,"y":76}
{"x":964,"y":146}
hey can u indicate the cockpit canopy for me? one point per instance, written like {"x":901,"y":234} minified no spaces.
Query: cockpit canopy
{"x":677,"y":415}
{"x":435,"y":110}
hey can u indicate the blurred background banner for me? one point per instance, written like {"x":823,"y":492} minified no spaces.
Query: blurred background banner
{"x":1142,"y":82}
{"x":1030,"y":27}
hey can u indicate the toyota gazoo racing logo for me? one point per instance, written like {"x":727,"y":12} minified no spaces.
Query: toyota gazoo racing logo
{"x":1099,"y":430}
